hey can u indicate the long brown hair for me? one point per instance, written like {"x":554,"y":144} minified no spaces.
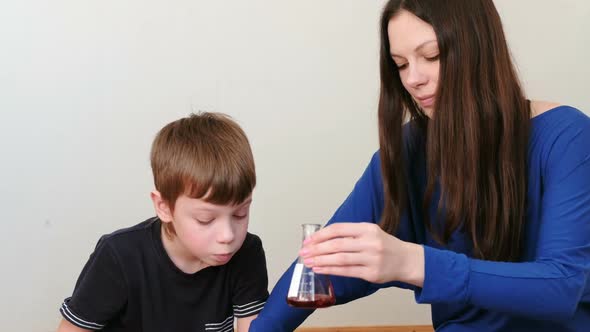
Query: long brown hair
{"x":476,"y":142}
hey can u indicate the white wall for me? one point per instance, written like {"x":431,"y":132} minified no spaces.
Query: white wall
{"x":85,"y":85}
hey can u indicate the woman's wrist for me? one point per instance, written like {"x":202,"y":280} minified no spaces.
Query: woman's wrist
{"x":412,"y":265}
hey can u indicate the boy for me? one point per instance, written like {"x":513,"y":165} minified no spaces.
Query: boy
{"x":194,"y":267}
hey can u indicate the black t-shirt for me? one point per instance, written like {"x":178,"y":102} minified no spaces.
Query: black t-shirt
{"x":130,"y":284}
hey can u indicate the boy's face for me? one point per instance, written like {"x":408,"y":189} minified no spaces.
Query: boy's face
{"x":207,"y":232}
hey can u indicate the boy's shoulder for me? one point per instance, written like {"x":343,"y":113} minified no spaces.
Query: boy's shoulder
{"x":252,"y":241}
{"x":129,"y":236}
{"x":250,"y":251}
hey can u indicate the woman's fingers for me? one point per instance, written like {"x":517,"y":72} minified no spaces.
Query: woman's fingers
{"x":333,"y":245}
{"x":337,"y":230}
{"x":340,"y":259}
{"x":359,"y":250}
{"x":353,"y":271}
{"x":341,"y":238}
{"x":362,"y":250}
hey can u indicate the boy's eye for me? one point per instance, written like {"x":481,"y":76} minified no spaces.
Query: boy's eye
{"x":240,"y":216}
{"x":204,"y":221}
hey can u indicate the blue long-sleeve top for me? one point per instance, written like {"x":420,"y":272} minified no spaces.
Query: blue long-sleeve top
{"x":548,"y":290}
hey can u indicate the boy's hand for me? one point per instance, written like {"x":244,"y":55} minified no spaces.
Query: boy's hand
{"x":66,"y":326}
{"x":244,"y":323}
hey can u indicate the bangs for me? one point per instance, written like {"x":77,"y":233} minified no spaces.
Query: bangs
{"x":222,"y":187}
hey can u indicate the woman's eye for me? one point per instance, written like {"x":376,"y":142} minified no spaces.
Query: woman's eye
{"x":432,"y":58}
{"x":402,"y":66}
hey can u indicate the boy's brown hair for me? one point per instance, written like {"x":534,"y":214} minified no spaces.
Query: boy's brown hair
{"x":205,"y":156}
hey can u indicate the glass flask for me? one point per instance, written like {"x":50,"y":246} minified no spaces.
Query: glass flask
{"x":309,"y":289}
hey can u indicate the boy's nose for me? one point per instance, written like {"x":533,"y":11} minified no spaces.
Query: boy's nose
{"x":226,"y":232}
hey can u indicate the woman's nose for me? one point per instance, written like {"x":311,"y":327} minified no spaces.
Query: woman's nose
{"x":416,"y":77}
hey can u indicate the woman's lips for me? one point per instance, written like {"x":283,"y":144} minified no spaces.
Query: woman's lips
{"x":426,"y":101}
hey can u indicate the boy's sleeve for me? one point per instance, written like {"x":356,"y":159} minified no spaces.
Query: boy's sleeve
{"x":100,"y":291}
{"x":250,"y":278}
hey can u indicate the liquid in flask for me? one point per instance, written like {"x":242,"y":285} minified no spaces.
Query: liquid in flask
{"x":309,"y":289}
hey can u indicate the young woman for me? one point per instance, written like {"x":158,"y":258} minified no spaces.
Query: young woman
{"x":480,"y":203}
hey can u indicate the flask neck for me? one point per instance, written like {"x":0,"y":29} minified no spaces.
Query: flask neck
{"x":308,"y":230}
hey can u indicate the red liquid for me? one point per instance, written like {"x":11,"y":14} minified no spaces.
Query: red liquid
{"x":321,"y":301}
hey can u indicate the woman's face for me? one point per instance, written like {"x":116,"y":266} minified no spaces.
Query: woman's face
{"x":414,"y":49}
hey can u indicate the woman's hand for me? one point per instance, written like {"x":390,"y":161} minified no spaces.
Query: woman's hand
{"x":364,"y":250}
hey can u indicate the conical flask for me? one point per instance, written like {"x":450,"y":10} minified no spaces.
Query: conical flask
{"x":309,"y":289}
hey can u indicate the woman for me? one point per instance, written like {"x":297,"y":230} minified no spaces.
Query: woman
{"x":480,"y":203}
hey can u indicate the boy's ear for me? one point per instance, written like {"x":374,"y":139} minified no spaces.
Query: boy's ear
{"x":161,"y":206}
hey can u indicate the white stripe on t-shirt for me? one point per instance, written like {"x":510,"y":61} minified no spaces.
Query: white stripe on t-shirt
{"x":71,"y":317}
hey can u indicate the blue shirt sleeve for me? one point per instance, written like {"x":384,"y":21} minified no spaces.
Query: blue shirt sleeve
{"x":552,"y":283}
{"x":364,"y":204}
